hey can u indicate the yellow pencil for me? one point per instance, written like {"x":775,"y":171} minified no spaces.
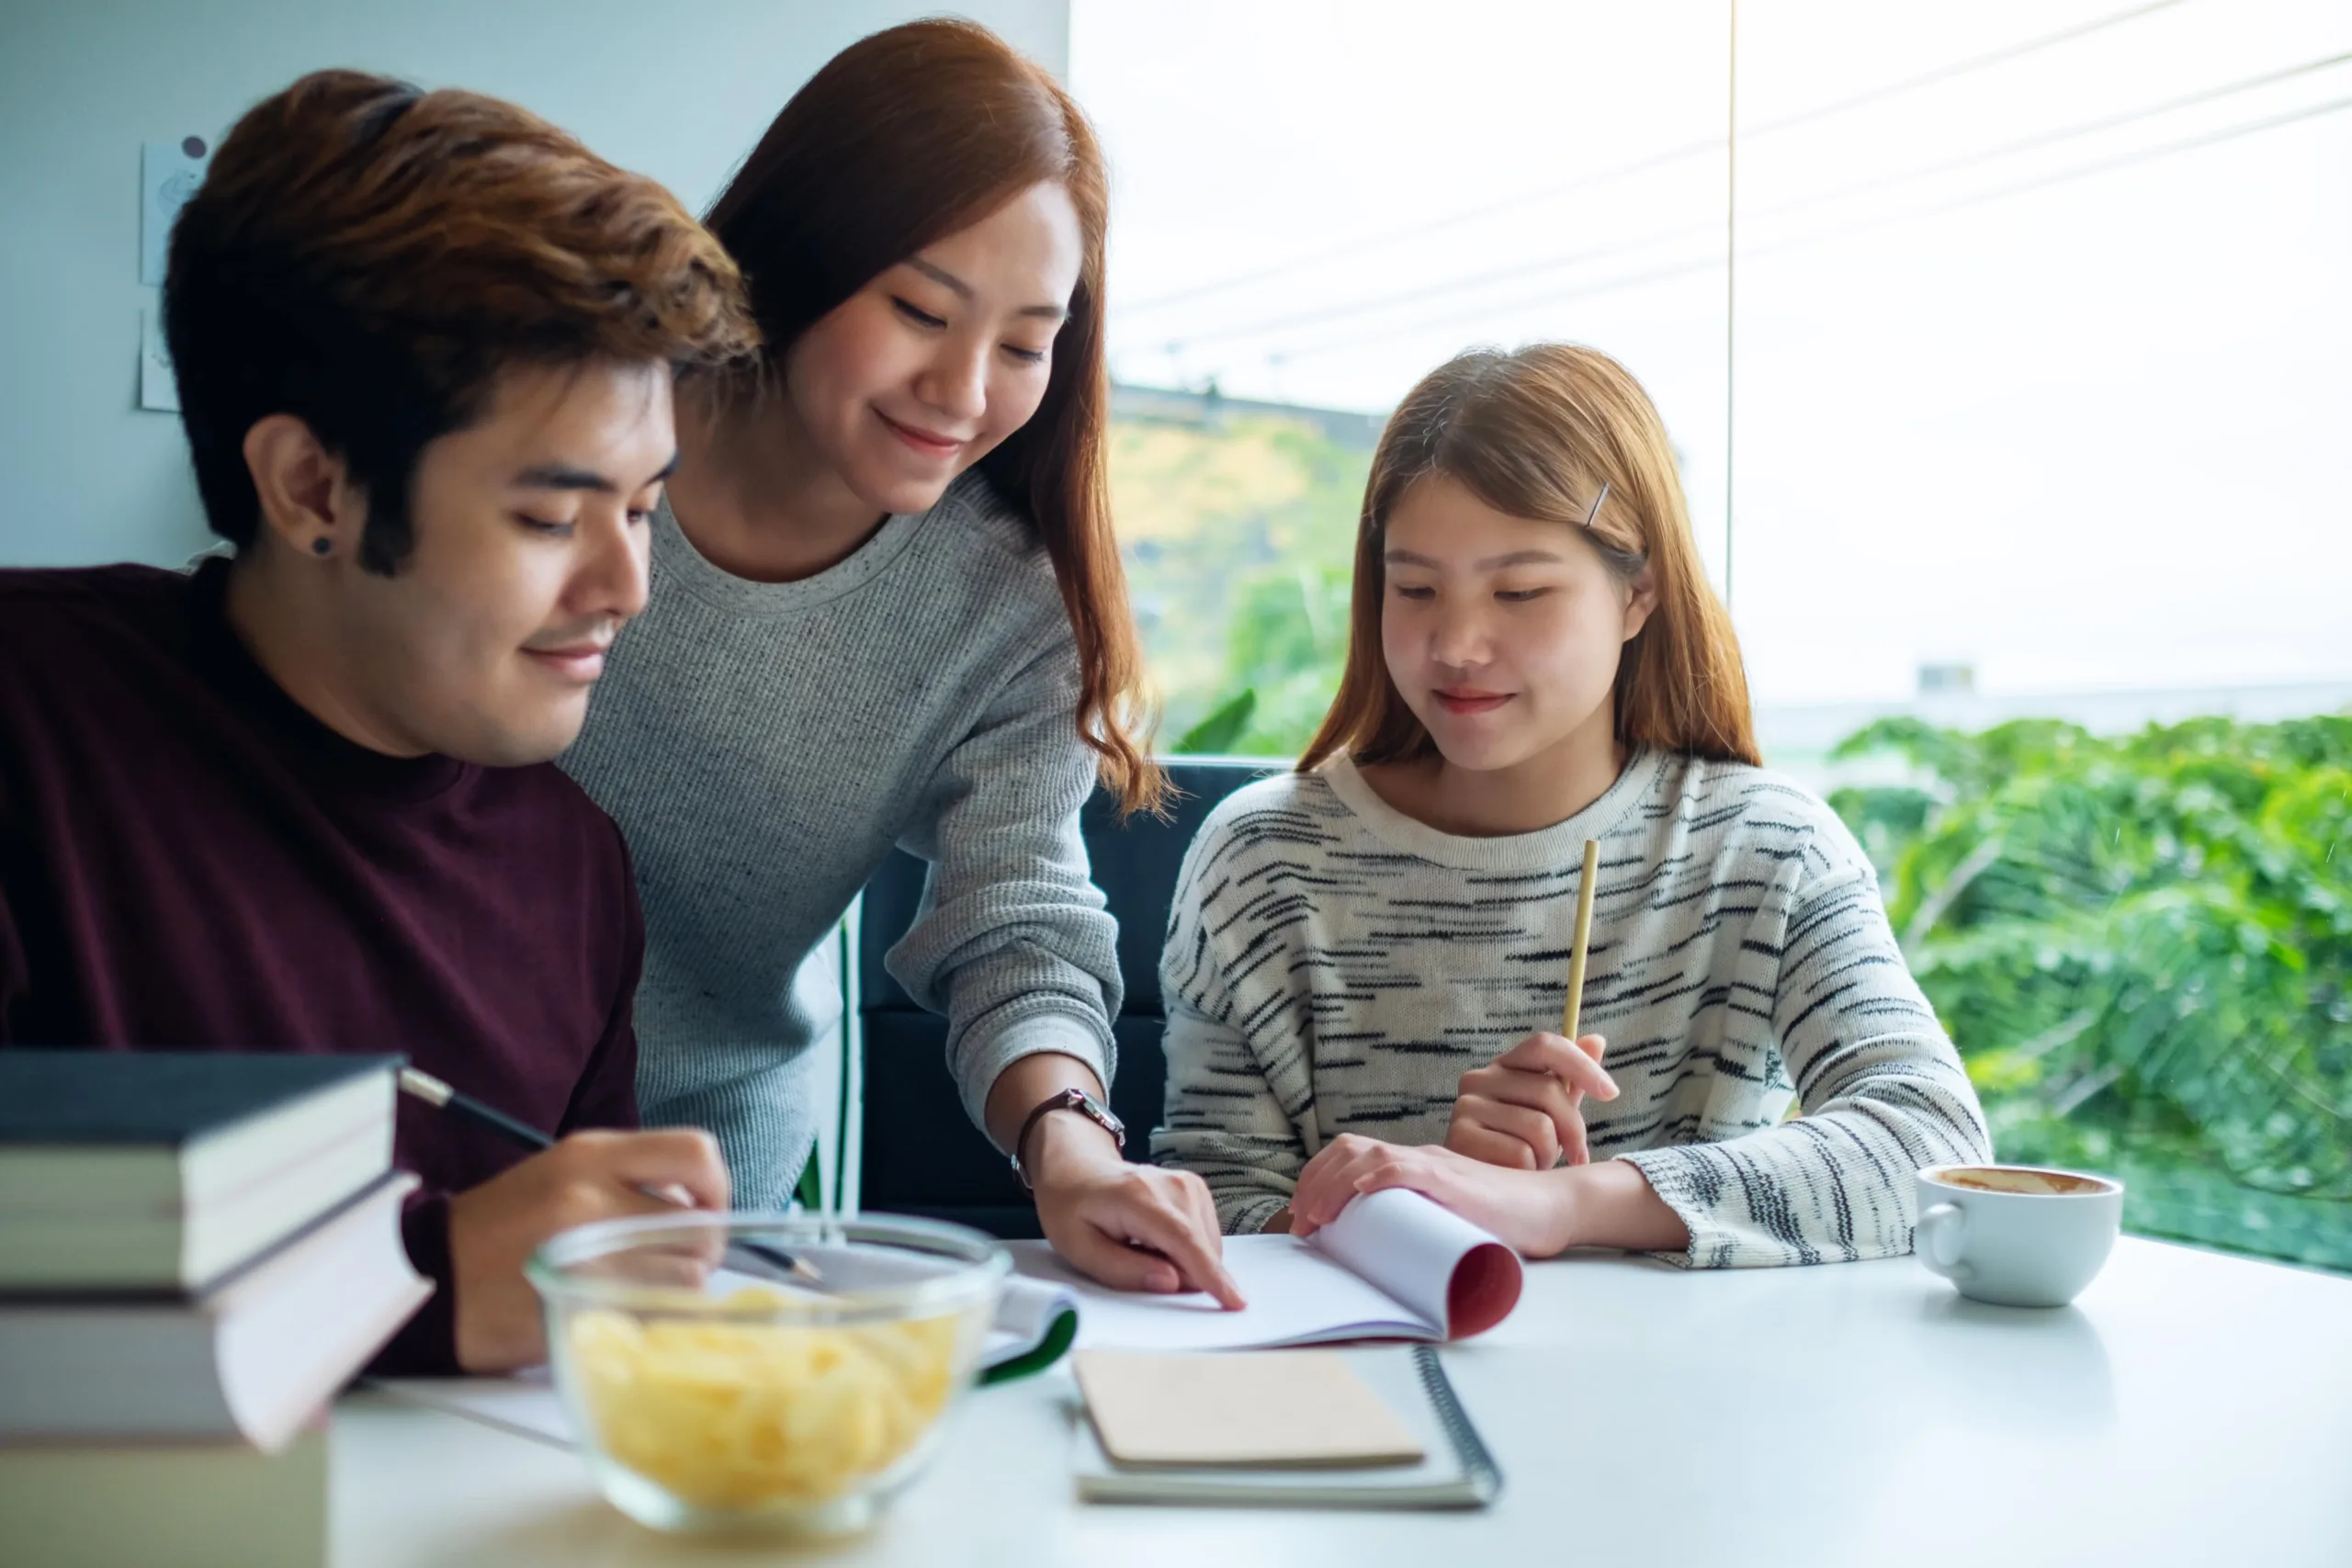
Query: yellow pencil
{"x":1584,"y":939}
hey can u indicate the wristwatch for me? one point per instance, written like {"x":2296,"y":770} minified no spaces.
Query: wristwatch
{"x":1076,"y":1099}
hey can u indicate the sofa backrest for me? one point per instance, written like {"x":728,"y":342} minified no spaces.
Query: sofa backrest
{"x":921,"y":1154}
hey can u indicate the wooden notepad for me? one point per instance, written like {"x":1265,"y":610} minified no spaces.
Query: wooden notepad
{"x":1292,"y":1409}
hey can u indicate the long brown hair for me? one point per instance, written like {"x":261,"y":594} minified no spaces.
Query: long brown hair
{"x":1536,"y":433}
{"x":900,"y":140}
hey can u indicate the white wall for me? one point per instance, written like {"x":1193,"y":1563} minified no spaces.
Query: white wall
{"x":678,"y":91}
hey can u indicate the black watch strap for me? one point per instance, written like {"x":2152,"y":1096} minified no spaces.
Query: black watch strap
{"x":1076,"y":1099}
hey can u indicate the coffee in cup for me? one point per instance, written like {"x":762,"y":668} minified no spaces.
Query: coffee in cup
{"x":2016,"y":1234}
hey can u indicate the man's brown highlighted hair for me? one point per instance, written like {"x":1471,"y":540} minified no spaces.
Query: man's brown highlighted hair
{"x":368,"y":256}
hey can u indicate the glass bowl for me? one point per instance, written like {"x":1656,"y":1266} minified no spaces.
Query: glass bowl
{"x":714,"y":1389}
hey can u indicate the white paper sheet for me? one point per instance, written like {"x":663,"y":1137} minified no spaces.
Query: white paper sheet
{"x":1296,"y":1295}
{"x":1411,"y":1248}
{"x":1023,"y":1315}
{"x":525,"y":1405}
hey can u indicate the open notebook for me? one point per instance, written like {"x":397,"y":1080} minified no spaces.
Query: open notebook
{"x":1393,"y":1265}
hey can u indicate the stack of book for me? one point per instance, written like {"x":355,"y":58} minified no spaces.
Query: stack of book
{"x":196,"y":1252}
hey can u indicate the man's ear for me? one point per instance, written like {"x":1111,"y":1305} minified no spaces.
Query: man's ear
{"x":306,"y":497}
{"x":1641,"y":601}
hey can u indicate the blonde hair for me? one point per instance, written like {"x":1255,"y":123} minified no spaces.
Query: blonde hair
{"x":1537,"y":434}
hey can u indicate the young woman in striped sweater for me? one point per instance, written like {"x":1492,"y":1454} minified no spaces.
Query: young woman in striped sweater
{"x":1367,"y":955}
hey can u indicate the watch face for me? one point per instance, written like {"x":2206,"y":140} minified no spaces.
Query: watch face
{"x":1076,"y":1099}
{"x":1093,"y":1110}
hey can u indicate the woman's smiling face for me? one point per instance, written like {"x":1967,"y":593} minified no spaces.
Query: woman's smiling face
{"x":1502,"y":634}
{"x":922,"y":372}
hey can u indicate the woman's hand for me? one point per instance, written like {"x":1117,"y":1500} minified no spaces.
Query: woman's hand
{"x":1525,"y":1210}
{"x":1135,"y":1227}
{"x":1524,"y":1110}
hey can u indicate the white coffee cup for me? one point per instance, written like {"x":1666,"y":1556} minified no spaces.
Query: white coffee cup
{"x":2016,"y":1234}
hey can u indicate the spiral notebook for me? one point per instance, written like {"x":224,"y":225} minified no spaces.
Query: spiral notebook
{"x":1454,"y":1470}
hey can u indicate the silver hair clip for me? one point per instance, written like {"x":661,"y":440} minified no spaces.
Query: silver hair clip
{"x":1596,"y":503}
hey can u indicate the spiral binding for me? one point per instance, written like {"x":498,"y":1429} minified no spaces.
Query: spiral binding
{"x":1485,"y":1477}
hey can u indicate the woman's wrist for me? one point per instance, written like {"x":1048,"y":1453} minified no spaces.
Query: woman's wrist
{"x":1560,"y":1218}
{"x":1063,"y":1142}
{"x":1028,"y":1082}
{"x":1609,"y":1203}
{"x":1061,"y":1145}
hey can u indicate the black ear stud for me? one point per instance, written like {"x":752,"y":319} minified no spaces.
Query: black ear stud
{"x":322,"y":547}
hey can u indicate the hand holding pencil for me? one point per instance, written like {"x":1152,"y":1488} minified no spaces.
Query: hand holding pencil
{"x":561,"y":1182}
{"x":1524,"y":1110}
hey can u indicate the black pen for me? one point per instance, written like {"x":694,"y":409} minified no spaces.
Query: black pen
{"x":423,"y":1086}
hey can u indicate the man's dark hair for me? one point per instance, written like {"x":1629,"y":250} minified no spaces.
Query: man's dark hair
{"x":368,"y":256}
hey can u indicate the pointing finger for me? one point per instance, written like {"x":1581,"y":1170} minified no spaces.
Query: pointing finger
{"x":1175,"y":1234}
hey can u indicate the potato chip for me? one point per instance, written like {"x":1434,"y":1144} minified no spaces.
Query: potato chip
{"x":736,"y":1414}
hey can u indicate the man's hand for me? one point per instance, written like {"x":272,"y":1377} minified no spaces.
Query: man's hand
{"x":1135,"y":1227}
{"x":588,"y":1175}
{"x":1524,"y":1110}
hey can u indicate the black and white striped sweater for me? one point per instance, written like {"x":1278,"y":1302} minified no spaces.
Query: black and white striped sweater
{"x":1335,"y":967}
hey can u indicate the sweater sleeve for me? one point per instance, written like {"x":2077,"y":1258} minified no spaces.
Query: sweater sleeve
{"x":1226,"y":1119}
{"x":1224,"y":1123}
{"x":1013,"y":940}
{"x":1881,"y":1090}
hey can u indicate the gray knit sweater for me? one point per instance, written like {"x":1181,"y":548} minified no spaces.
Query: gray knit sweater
{"x":1335,"y":967}
{"x":764,"y":745}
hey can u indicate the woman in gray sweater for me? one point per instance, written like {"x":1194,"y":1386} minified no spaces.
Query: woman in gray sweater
{"x":887,"y":610}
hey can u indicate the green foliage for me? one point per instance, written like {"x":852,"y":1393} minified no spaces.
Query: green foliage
{"x":1287,"y":640}
{"x":1239,"y":540}
{"x":1215,"y":735}
{"x":2143,"y":945}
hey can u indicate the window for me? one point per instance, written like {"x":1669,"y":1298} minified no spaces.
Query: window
{"x":2002,"y":346}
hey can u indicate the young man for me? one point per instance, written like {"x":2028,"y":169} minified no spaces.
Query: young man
{"x":301,"y":800}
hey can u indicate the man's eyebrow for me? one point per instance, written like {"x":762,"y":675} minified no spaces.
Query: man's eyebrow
{"x":563,"y":475}
{"x":963,"y":290}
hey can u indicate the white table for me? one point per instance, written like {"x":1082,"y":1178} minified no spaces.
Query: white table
{"x":2190,"y":1409}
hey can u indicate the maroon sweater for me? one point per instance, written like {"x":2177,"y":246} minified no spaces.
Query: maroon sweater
{"x":188,"y":859}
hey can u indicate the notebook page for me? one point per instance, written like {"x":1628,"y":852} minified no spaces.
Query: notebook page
{"x":1438,"y":1264}
{"x":1296,"y":1295}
